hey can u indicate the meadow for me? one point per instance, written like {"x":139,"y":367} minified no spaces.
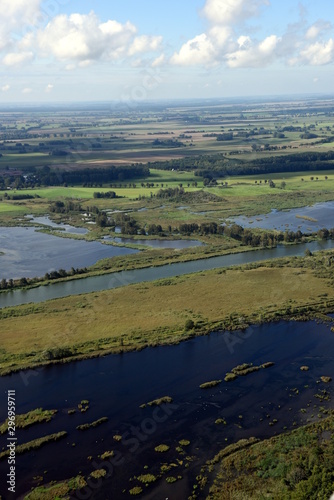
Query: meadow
{"x":123,"y":319}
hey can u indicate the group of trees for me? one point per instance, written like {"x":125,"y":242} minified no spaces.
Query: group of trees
{"x":170,"y":192}
{"x":46,"y":176}
{"x":248,"y":236}
{"x":60,"y":207}
{"x":167,"y":143}
{"x":108,"y":195}
{"x":10,"y":284}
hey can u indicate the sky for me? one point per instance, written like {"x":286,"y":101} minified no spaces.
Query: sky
{"x":138,"y":50}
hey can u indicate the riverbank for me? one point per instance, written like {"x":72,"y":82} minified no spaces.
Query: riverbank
{"x":166,"y":311}
{"x":290,"y":466}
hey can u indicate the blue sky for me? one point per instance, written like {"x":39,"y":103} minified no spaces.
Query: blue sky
{"x":78,"y":50}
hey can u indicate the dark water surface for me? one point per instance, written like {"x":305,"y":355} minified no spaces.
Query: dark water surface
{"x":118,"y":384}
{"x":114,"y":280}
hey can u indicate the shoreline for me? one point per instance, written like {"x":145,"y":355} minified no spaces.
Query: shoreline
{"x":319,"y":313}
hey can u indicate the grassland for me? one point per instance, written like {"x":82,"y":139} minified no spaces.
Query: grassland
{"x":123,"y":319}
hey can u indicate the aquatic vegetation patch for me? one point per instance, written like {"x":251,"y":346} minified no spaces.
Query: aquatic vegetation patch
{"x":84,"y":427}
{"x":158,"y":401}
{"x":31,"y":418}
{"x":162,"y":448}
{"x":230,"y":376}
{"x":221,"y":421}
{"x":83,"y":406}
{"x":96,"y":474}
{"x":147,"y":478}
{"x":208,"y":385}
{"x":35,"y":444}
{"x":137,"y":490}
{"x":246,"y":369}
{"x":107,"y":454}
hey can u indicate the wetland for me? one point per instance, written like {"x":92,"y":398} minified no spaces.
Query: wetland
{"x":181,"y":346}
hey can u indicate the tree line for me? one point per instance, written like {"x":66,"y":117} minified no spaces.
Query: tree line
{"x":88,"y":176}
{"x":213,"y":166}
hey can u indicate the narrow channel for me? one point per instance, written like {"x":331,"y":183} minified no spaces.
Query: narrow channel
{"x":115,"y":280}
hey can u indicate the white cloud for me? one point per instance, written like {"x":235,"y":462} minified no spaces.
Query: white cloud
{"x":84,"y":39}
{"x":27,"y":90}
{"x":199,"y":50}
{"x":145,"y":43}
{"x":227,"y":12}
{"x":318,"y":53}
{"x":49,"y":88}
{"x":220,"y":35}
{"x":222,"y":43}
{"x":18,"y":13}
{"x":159,"y":61}
{"x":15,"y":16}
{"x":253,"y":55}
{"x":5,"y":88}
{"x":317,"y":29}
{"x":17,"y":58}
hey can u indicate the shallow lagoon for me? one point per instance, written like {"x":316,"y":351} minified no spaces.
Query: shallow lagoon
{"x":46,"y":221}
{"x":24,"y":251}
{"x":322,"y":213}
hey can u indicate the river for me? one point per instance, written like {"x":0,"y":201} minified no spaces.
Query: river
{"x":114,"y":280}
{"x":117,"y":385}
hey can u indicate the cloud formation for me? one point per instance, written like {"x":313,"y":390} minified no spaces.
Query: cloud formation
{"x":84,"y":38}
{"x":226,"y":12}
{"x":15,"y":16}
{"x":222,"y":44}
{"x":28,"y":33}
{"x":318,"y":54}
{"x":80,"y":39}
{"x":253,"y":55}
{"x":17,"y":58}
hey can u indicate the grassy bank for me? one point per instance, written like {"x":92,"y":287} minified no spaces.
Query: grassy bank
{"x":150,"y":314}
{"x":293,"y":466}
